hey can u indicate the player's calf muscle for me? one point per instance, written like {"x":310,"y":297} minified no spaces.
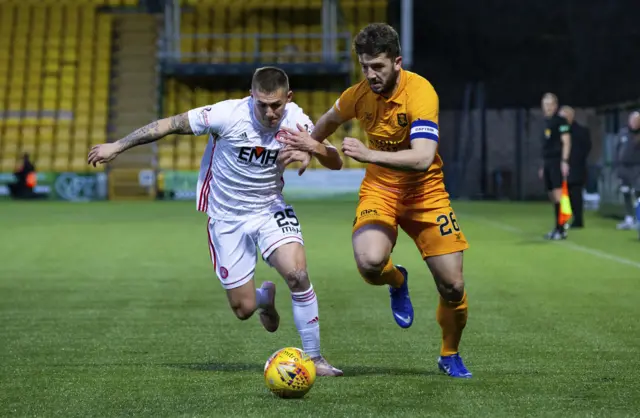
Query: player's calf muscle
{"x":242,"y":301}
{"x":297,"y":280}
{"x":243,"y":309}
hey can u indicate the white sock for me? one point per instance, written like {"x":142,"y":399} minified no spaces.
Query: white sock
{"x":262,"y":298}
{"x":305,"y":315}
{"x":629,"y":219}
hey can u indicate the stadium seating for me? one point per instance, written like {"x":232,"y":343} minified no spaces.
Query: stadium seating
{"x":54,"y":81}
{"x":112,"y":3}
{"x":270,"y":17}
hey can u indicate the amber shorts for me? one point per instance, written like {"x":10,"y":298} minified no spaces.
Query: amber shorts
{"x":434,"y":230}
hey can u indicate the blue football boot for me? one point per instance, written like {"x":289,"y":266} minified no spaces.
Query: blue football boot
{"x":400,"y":303}
{"x":453,"y":366}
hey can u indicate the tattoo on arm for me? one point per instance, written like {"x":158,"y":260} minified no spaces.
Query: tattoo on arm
{"x":144,"y":135}
{"x":178,"y":124}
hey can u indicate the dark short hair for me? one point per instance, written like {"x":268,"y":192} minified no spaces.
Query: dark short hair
{"x":269,"y":79}
{"x":377,"y":38}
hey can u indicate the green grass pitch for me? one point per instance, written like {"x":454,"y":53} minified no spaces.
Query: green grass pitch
{"x":112,"y":309}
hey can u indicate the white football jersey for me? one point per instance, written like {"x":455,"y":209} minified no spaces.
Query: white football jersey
{"x":239,"y":175}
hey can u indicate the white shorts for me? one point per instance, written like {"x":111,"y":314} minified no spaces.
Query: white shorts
{"x":232,"y":244}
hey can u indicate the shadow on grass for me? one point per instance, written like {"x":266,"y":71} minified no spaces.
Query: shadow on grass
{"x":348,"y":371}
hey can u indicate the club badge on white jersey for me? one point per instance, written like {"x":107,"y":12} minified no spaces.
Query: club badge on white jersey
{"x":239,"y":173}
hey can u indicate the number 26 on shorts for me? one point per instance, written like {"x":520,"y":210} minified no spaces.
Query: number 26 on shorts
{"x":447,"y":224}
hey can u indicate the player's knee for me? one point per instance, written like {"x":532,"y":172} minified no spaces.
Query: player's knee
{"x":297,"y":280}
{"x":370,"y":267}
{"x":243,"y":309}
{"x":451,"y":289}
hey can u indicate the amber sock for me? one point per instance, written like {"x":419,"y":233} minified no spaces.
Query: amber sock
{"x":452,"y":317}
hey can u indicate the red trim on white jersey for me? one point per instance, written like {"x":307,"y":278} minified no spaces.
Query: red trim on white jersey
{"x":203,"y":204}
{"x":212,"y":249}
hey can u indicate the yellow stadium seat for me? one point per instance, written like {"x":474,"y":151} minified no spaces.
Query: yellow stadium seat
{"x":47,"y":119}
{"x":45,"y":133}
{"x":10,"y":148}
{"x":79,"y":149}
{"x":68,"y":82}
{"x":43,"y":163}
{"x":183,"y":162}
{"x":98,"y":136}
{"x":81,"y":119}
{"x":63,"y":133}
{"x":63,"y":148}
{"x":13,"y":122}
{"x":199,"y":145}
{"x":166,"y":148}
{"x":66,"y":103}
{"x":101,"y":88}
{"x":80,"y":134}
{"x":61,"y":162}
{"x":166,"y":162}
{"x":29,"y":133}
{"x":31,"y":119}
{"x":184,"y":146}
{"x":99,"y":107}
{"x":11,"y":133}
{"x":99,"y":122}
{"x":45,"y":148}
{"x":79,"y":164}
{"x":84,"y":91}
{"x":8,"y":163}
{"x":16,"y":93}
{"x":32,"y":104}
{"x":27,"y":148}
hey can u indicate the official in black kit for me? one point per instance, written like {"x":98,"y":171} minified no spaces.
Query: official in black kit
{"x":580,"y":150}
{"x":556,"y":147}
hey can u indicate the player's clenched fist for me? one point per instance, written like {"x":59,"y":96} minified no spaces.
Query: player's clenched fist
{"x":103,"y":153}
{"x":354,"y":148}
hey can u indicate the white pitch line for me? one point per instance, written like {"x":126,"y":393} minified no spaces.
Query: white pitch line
{"x":568,"y":244}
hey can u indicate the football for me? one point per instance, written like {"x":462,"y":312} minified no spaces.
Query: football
{"x":289,"y":373}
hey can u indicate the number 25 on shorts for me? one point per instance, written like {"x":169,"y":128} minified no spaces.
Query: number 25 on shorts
{"x":286,"y":217}
{"x":447,"y":224}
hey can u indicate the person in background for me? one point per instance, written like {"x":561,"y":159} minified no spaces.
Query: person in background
{"x":577,"y":179}
{"x":628,"y":168}
{"x":556,"y":147}
{"x":25,"y":175}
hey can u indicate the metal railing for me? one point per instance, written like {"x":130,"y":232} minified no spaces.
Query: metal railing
{"x":256,"y":52}
{"x":335,"y":44}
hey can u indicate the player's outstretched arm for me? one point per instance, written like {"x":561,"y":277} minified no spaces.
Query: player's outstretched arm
{"x":178,"y":124}
{"x":418,"y":158}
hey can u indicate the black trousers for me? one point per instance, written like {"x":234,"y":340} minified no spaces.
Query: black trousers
{"x":577,"y":203}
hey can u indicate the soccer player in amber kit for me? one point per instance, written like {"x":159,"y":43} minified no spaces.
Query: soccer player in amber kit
{"x":403,"y":185}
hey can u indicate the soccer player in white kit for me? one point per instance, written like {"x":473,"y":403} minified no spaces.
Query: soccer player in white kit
{"x":240,"y":189}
